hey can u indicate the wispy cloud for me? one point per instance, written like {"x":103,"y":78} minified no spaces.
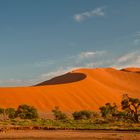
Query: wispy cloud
{"x":131,"y":59}
{"x":90,"y":54}
{"x":89,"y":14}
{"x":127,"y":57}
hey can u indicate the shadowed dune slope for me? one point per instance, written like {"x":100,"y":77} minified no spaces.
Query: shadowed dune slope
{"x":77,"y":90}
{"x":64,"y":79}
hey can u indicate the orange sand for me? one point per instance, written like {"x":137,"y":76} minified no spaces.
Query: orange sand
{"x":89,"y":89}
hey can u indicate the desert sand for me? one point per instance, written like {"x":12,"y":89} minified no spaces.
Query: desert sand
{"x":71,"y":135}
{"x":77,"y":90}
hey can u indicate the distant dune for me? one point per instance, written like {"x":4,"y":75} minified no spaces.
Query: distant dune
{"x":76,"y":90}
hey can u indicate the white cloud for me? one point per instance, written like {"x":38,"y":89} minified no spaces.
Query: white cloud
{"x":131,"y":59}
{"x":127,"y":57}
{"x":88,"y":58}
{"x":89,"y":14}
{"x":90,"y":54}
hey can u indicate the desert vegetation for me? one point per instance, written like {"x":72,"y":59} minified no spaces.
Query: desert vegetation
{"x":110,"y":116}
{"x":23,"y":112}
{"x":58,"y":114}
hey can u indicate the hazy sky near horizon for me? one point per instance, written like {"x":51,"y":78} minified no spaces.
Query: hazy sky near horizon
{"x":40,"y":39}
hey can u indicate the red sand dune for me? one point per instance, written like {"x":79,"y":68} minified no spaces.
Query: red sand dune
{"x":132,"y":70}
{"x":77,"y":90}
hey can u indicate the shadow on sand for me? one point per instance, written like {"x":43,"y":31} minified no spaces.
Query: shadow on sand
{"x":64,"y":79}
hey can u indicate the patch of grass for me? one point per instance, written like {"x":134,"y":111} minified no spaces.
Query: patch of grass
{"x":70,"y":124}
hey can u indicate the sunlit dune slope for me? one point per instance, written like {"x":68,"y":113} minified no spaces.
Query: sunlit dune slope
{"x":77,"y":90}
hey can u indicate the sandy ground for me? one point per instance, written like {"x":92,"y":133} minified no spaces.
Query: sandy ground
{"x":73,"y":135}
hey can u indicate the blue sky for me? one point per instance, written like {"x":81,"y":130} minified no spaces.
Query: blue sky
{"x":40,"y":39}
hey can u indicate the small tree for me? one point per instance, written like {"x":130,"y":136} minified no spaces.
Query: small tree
{"x":109,"y":111}
{"x":11,"y":112}
{"x":131,"y":106}
{"x":26,"y":112}
{"x":84,"y":114}
{"x":59,"y":115}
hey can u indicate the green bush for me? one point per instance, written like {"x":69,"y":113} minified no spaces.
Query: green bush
{"x":26,"y":112}
{"x":59,"y":115}
{"x":11,"y":112}
{"x":109,"y":111}
{"x":84,"y":114}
